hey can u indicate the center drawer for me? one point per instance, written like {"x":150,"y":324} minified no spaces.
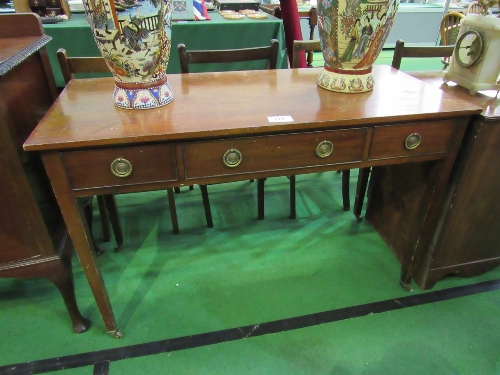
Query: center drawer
{"x":272,"y":152}
{"x":121,"y":166}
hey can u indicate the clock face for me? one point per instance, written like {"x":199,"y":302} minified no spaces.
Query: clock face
{"x":469,"y":48}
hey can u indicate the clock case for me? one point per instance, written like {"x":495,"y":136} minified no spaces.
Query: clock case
{"x":484,"y":74}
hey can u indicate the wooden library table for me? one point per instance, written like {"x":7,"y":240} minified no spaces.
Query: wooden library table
{"x":256,"y":124}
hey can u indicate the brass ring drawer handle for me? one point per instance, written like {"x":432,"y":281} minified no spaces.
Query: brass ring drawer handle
{"x":412,"y":141}
{"x":232,"y":158}
{"x":121,"y":167}
{"x":324,"y":149}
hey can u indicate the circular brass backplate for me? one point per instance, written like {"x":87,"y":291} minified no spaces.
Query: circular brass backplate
{"x":324,"y":149}
{"x":121,"y":167}
{"x":232,"y":158}
{"x":412,"y":141}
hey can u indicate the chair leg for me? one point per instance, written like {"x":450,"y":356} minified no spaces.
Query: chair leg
{"x":114,"y":218}
{"x":173,"y":211}
{"x":260,"y":198}
{"x":293,"y":211}
{"x":346,"y":199}
{"x":103,"y":213}
{"x":87,"y":209}
{"x":364,"y":173}
{"x":178,"y":189}
{"x":206,"y":205}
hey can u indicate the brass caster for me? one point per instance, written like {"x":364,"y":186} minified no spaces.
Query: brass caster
{"x":359,"y":219}
{"x":117,"y":334}
{"x":118,"y":248}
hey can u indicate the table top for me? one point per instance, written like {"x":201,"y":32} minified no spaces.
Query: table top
{"x":209,"y":105}
{"x":489,"y":100}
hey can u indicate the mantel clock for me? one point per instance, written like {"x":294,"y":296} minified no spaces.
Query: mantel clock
{"x":475,"y":63}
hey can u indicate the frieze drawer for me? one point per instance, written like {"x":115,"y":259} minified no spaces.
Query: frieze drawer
{"x":121,"y":166}
{"x":410,"y":140}
{"x":273,"y":152}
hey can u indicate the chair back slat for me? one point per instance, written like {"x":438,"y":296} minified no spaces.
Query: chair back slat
{"x":306,"y":46}
{"x":71,"y":65}
{"x":418,"y":51}
{"x":269,"y":53}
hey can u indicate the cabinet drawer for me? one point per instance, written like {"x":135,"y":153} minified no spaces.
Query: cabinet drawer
{"x":273,"y":152}
{"x":426,"y":138}
{"x":146,"y":164}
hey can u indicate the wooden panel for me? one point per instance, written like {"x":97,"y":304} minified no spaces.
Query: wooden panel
{"x":150,"y":164}
{"x":472,"y":223}
{"x":389,"y":141}
{"x":267,"y":153}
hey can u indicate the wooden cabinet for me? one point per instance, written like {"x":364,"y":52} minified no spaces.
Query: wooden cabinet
{"x":466,"y":235}
{"x":34,"y":243}
{"x":468,"y":242}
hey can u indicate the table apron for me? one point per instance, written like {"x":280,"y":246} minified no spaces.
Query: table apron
{"x":176,"y":164}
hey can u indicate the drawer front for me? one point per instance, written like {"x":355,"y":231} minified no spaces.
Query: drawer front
{"x":134,"y":165}
{"x":271,"y":153}
{"x":410,"y":140}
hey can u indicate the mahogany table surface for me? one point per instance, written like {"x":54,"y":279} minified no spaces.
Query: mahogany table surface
{"x":225,"y":104}
{"x":489,"y":100}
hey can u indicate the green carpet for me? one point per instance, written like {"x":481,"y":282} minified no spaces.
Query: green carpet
{"x":244,"y":271}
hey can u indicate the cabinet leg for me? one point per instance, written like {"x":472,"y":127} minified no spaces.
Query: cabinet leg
{"x":62,"y":278}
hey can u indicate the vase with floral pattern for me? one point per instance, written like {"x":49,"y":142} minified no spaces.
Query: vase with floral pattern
{"x":352,"y":34}
{"x":134,"y":38}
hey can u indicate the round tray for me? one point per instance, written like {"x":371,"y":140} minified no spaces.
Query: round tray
{"x":257,"y":16}
{"x":233,"y":16}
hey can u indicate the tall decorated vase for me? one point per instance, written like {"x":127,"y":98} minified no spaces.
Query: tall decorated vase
{"x":352,"y":34}
{"x":134,"y":38}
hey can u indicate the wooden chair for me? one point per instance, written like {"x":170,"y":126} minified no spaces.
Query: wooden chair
{"x":448,"y":31}
{"x":309,"y":46}
{"x":311,"y":15}
{"x":314,"y":46}
{"x":108,"y":209}
{"x":476,"y":8}
{"x":188,"y":57}
{"x":401,"y":51}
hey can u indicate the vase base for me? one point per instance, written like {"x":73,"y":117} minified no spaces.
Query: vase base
{"x":143,"y":98}
{"x":345,"y":82}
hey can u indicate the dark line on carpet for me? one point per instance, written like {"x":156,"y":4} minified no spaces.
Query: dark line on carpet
{"x":188,"y":342}
{"x":101,"y":368}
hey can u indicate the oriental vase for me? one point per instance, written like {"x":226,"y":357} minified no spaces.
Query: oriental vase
{"x":352,"y":34}
{"x":134,"y":38}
